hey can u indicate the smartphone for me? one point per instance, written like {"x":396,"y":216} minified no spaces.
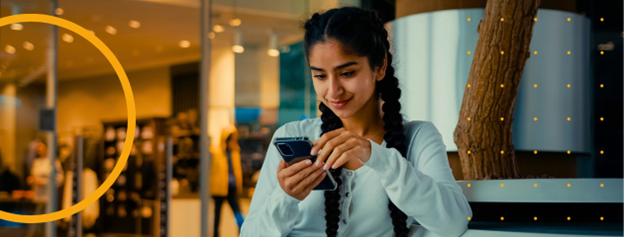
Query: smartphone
{"x":296,"y":149}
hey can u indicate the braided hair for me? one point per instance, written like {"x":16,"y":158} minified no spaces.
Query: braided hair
{"x":361,"y":32}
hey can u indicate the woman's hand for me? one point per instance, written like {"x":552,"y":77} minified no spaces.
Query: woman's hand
{"x":299,"y":179}
{"x":345,"y":145}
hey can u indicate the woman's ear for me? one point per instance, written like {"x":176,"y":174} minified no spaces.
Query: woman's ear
{"x":381,"y":73}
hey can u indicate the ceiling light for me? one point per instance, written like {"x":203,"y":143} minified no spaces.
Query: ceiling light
{"x":17,"y":26}
{"x":111,"y":30}
{"x":134,"y":24}
{"x":59,"y":11}
{"x":235,"y":22}
{"x":28,"y":46}
{"x":217,"y":28}
{"x":211,"y":35}
{"x":238,"y":42}
{"x":9,"y":49}
{"x":273,"y":52}
{"x":185,"y":44}
{"x":68,"y":38}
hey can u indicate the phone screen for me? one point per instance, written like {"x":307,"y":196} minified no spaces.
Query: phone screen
{"x":297,"y":149}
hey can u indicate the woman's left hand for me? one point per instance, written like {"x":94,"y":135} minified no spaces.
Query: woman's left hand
{"x":345,"y":145}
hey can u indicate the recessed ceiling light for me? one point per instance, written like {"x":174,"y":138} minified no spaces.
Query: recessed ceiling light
{"x":273,"y":52}
{"x":59,"y":11}
{"x":17,"y":26}
{"x":28,"y":46}
{"x":134,"y":24}
{"x":185,"y":44}
{"x":9,"y":49}
{"x":217,"y":28}
{"x":68,"y":38}
{"x":111,"y":30}
{"x":238,"y":49}
{"x":235,"y":22}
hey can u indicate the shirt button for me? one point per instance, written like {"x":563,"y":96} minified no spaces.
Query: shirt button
{"x":350,"y":173}
{"x":348,"y":194}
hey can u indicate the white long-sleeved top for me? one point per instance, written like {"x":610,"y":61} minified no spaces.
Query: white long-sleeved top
{"x":422,"y":186}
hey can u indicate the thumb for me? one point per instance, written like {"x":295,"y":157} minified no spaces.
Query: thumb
{"x":282,"y":165}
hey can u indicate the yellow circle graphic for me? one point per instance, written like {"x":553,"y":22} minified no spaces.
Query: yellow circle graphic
{"x":131,"y":107}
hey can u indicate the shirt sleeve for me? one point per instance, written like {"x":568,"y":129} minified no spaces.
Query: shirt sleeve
{"x":423,"y":185}
{"x":272,"y":211}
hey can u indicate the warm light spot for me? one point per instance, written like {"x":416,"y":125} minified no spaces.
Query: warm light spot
{"x":535,"y":218}
{"x":273,"y":52}
{"x":568,"y":185}
{"x":502,"y":85}
{"x":217,"y":28}
{"x":568,"y":85}
{"x":111,"y":30}
{"x":502,"y":19}
{"x":468,"y":85}
{"x":468,"y":152}
{"x":468,"y":118}
{"x":235,"y":22}
{"x":568,"y":118}
{"x":569,"y":52}
{"x":535,"y":85}
{"x":568,"y":151}
{"x":59,"y":11}
{"x":184,"y":44}
{"x":502,"y":218}
{"x":535,"y":152}
{"x":468,"y":52}
{"x":601,"y":52}
{"x":68,"y":38}
{"x":535,"y":118}
{"x":601,"y":119}
{"x":534,"y":185}
{"x":601,"y":19}
{"x":535,"y":19}
{"x":28,"y":46}
{"x":211,"y":35}
{"x":569,"y":19}
{"x":502,"y":185}
{"x":468,"y":217}
{"x":534,"y":52}
{"x":601,"y":185}
{"x":9,"y":49}
{"x":502,"y":152}
{"x":602,"y":218}
{"x":601,"y":152}
{"x":601,"y":86}
{"x":468,"y":20}
{"x":16,"y":26}
{"x":502,"y":52}
{"x":468,"y":185}
{"x":238,"y":49}
{"x":134,"y":24}
{"x":568,"y":218}
{"x":502,"y":118}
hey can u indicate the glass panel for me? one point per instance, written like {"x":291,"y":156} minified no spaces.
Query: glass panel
{"x":28,"y":183}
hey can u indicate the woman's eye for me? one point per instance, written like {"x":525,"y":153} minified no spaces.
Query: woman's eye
{"x":320,"y":76}
{"x":346,"y":74}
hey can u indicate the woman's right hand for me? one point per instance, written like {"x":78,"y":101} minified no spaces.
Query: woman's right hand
{"x":299,"y":179}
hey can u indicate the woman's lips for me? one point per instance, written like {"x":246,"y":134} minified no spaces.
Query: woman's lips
{"x":339,"y":104}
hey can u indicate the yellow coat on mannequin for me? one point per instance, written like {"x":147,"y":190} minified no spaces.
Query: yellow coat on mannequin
{"x":219,"y":165}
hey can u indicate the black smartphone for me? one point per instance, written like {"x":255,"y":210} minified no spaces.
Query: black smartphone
{"x":296,"y":149}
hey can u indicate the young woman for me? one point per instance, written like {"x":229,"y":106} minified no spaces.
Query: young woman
{"x":390,"y":173}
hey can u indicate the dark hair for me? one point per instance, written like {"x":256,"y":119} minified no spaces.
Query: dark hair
{"x":360,"y":32}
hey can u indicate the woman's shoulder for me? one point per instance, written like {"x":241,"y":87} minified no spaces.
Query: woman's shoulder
{"x":417,"y":131}
{"x":310,"y":127}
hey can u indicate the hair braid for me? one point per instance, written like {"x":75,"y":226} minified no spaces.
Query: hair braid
{"x":332,"y":198}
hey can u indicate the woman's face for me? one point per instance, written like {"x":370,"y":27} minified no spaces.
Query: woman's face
{"x":343,"y":81}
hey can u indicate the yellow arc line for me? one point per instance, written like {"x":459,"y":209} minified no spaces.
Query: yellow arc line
{"x":131,"y":107}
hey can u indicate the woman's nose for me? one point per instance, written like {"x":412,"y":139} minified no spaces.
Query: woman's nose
{"x":335,"y":88}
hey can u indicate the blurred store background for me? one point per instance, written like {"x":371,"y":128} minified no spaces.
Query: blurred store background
{"x":259,"y":80}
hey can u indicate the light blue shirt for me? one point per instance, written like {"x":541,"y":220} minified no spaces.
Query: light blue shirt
{"x":422,"y":186}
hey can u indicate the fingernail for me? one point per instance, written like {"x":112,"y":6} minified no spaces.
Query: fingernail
{"x":334,"y":166}
{"x":312,"y":151}
{"x":325,"y":167}
{"x":308,"y":162}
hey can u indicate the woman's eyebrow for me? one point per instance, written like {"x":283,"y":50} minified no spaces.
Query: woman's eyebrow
{"x":335,"y":68}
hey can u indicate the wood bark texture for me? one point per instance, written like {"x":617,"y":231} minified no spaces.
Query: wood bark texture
{"x":485,"y":102}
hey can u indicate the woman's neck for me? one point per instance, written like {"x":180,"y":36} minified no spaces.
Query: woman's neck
{"x":367,"y":122}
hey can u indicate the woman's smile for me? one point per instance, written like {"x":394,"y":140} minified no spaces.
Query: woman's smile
{"x":339,"y":104}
